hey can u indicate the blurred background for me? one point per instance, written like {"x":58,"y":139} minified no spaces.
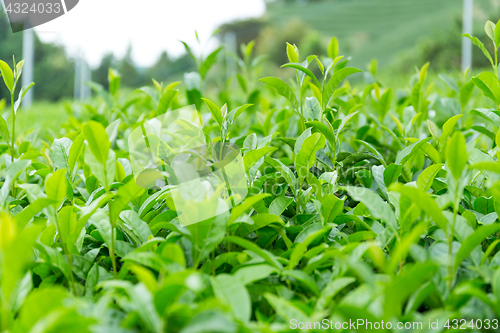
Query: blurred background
{"x":141,"y":40}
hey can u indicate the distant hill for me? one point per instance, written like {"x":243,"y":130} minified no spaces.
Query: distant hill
{"x":378,"y":29}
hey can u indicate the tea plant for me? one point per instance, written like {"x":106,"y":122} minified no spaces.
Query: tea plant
{"x":364,"y":203}
{"x":11,"y":79}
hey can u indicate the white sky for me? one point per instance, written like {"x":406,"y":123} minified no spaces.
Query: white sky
{"x":96,"y":27}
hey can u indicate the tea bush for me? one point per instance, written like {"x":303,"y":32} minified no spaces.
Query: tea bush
{"x":364,"y":203}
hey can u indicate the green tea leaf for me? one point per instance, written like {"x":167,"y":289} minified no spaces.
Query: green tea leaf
{"x":456,"y":154}
{"x":231,"y":292}
{"x":403,"y":286}
{"x":343,"y":123}
{"x":374,"y":151}
{"x":324,"y":129}
{"x":424,"y":202}
{"x":101,"y":221}
{"x":60,"y":150}
{"x":304,"y":70}
{"x":245,"y":205}
{"x":215,"y":111}
{"x":253,"y":156}
{"x":56,"y":186}
{"x":489,"y":84}
{"x":4,"y":131}
{"x":96,"y":136}
{"x":284,"y":170}
{"x":70,"y":229}
{"x":374,"y":203}
{"x":134,"y":223}
{"x":427,"y":176}
{"x":332,"y":289}
{"x":22,"y":93}
{"x":495,"y":281}
{"x":292,"y":53}
{"x":75,"y":151}
{"x":209,"y":61}
{"x":267,"y":256}
{"x":392,"y":173}
{"x":233,"y":114}
{"x":398,"y":256}
{"x":31,"y":210}
{"x":123,"y":196}
{"x":114,"y":81}
{"x":260,"y":221}
{"x":303,"y":279}
{"x":249,"y":274}
{"x":300,"y":140}
{"x":497,"y":34}
{"x":335,"y":81}
{"x":105,"y":173}
{"x":209,"y":321}
{"x":409,"y":151}
{"x":8,"y":76}
{"x":286,"y":310}
{"x":333,"y":48}
{"x":466,"y":92}
{"x":313,"y":108}
{"x":307,"y":155}
{"x":282,"y":88}
{"x":448,"y":128}
{"x":473,"y":241}
{"x":479,"y":44}
{"x":331,"y":207}
{"x":13,"y":171}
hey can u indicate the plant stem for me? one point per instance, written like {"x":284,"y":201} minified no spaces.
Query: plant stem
{"x":70,"y":266}
{"x":112,"y":251}
{"x":301,"y":107}
{"x":298,"y":201}
{"x":12,"y":150}
{"x":68,"y":258}
{"x":450,"y":241}
{"x":213,"y":262}
{"x":495,"y":65}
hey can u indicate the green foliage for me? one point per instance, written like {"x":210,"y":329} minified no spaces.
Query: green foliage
{"x":363,"y":203}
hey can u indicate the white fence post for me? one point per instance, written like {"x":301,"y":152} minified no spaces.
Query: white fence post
{"x":76,"y":93}
{"x":85,"y":76}
{"x":29,"y":64}
{"x":230,"y":43}
{"x":82,"y":75}
{"x":467,"y":29}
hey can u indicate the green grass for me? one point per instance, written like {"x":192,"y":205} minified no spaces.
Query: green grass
{"x":45,"y":116}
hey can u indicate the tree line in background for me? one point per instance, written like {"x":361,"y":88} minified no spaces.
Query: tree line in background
{"x":442,"y":49}
{"x":55,"y":69}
